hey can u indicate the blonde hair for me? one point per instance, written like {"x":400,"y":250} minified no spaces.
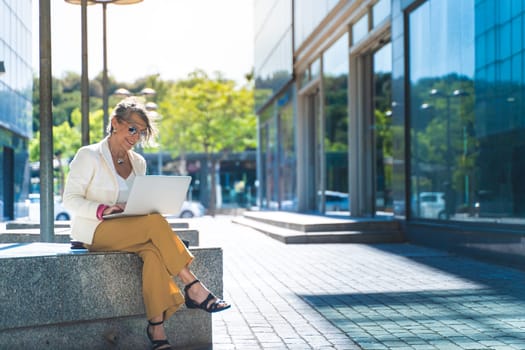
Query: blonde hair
{"x":131,"y":105}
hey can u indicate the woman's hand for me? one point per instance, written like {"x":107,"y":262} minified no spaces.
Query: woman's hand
{"x":117,"y":208}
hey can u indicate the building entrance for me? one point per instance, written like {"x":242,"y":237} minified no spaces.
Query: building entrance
{"x":370,"y":155}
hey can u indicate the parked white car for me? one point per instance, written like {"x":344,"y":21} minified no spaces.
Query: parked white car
{"x":189,"y":209}
{"x":192,"y":209}
{"x":33,"y":204}
{"x":431,"y":205}
{"x":336,"y":201}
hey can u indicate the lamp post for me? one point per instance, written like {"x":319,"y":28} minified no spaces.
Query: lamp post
{"x":449,"y":195}
{"x":105,"y":104}
{"x":47,"y":231}
{"x":426,"y":110}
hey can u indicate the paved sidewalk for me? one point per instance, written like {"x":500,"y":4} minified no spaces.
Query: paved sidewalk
{"x":357,"y":296}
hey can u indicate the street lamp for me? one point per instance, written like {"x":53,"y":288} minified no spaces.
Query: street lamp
{"x":105,"y":104}
{"x":426,"y":114}
{"x":122,"y":92}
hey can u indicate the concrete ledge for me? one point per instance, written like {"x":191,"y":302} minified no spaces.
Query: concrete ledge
{"x":191,"y":236}
{"x":289,"y":229}
{"x":24,"y":224}
{"x":53,"y":298}
{"x":319,"y":223}
{"x":29,"y":235}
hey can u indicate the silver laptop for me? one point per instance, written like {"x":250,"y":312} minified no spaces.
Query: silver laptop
{"x":155,"y":194}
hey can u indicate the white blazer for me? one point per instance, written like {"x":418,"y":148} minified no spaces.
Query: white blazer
{"x":92,"y":181}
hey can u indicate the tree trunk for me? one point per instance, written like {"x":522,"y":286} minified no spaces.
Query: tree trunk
{"x":213,"y":198}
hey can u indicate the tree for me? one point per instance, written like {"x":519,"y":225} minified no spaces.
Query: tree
{"x":67,"y":136}
{"x":207,"y":115}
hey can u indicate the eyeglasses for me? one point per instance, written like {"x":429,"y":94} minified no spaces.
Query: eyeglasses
{"x":133,"y":131}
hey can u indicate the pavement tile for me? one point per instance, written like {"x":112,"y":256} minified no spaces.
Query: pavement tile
{"x":358,"y":296}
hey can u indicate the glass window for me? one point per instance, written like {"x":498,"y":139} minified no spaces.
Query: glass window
{"x":360,"y":29}
{"x":504,"y":10}
{"x":335,"y":86}
{"x":16,"y":87}
{"x":311,"y":73}
{"x":288,"y":163}
{"x":277,"y":162}
{"x":273,"y":47}
{"x":504,"y":41}
{"x":380,"y":12}
{"x":467,"y":113}
{"x":269,"y":160}
{"x":307,"y":16}
{"x":517,"y":35}
{"x":315,"y":69}
{"x":304,"y":78}
{"x":382,"y":121}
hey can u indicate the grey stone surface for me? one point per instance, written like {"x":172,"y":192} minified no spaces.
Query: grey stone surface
{"x":52,"y":298}
{"x":300,"y":229}
{"x":317,"y":223}
{"x":27,"y":235}
{"x":178,"y":223}
{"x":183,"y":331}
{"x":360,"y":296}
{"x":23,"y":224}
{"x":192,"y":236}
{"x":62,"y":235}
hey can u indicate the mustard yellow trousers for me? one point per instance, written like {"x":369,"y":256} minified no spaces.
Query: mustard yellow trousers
{"x":163,"y":253}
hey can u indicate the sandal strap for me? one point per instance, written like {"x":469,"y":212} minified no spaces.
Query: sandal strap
{"x":158,"y":343}
{"x":215,"y":306}
{"x":204,"y":304}
{"x":155,"y":323}
{"x":188,"y":286}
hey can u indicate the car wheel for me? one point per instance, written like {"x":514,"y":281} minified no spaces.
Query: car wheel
{"x":62,"y":217}
{"x":186,"y":214}
{"x":442,"y":215}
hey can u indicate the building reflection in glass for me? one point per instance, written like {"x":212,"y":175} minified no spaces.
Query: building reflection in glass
{"x":468,"y":148}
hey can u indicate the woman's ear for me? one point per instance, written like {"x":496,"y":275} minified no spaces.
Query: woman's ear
{"x":113,"y":128}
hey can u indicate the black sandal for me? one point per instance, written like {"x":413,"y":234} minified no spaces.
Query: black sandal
{"x":211,"y":308}
{"x":156,"y":344}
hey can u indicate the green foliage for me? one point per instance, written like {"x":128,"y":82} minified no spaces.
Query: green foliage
{"x":442,"y":134}
{"x":67,"y":135}
{"x":207,"y":115}
{"x":199,"y":114}
{"x":336,"y":110}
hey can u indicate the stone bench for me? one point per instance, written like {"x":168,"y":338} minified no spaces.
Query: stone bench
{"x":52,"y":297}
{"x":28,"y":235}
{"x":175,"y":223}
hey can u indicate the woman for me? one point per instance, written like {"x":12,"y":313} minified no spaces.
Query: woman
{"x":98,"y":184}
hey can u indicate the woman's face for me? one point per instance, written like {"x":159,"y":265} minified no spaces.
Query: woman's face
{"x":129,"y":132}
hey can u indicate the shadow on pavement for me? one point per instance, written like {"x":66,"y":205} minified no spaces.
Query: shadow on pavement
{"x":441,"y":319}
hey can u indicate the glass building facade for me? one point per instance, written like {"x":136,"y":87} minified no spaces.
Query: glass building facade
{"x":274,"y":98}
{"x":467,"y":109}
{"x":409,"y":110}
{"x":273,"y":52}
{"x":16,"y":88}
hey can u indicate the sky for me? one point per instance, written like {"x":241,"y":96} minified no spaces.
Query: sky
{"x":167,"y":37}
